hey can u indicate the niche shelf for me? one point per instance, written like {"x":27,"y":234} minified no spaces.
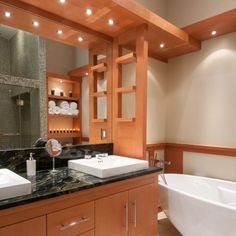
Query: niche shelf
{"x":100,"y":94}
{"x":129,"y":89}
{"x":132,"y":119}
{"x":60,"y":116}
{"x":99,"y":120}
{"x":64,"y":135}
{"x":126,"y":59}
{"x":102,"y":67}
{"x":54,"y":97}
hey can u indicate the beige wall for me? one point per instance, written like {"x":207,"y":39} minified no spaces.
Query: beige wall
{"x":157,"y":6}
{"x":201,"y":95}
{"x":214,"y":166}
{"x":156,"y":101}
{"x":201,"y":105}
{"x":185,"y":12}
{"x":60,"y":58}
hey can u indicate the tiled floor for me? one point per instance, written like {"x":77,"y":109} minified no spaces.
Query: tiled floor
{"x":165,"y":228}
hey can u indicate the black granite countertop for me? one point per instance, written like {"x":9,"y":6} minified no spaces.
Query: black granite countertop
{"x":46,"y":185}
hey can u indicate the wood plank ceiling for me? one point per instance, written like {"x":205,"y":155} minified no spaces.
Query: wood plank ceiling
{"x":71,"y":18}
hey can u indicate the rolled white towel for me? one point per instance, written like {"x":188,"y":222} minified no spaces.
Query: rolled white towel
{"x":63,"y":104}
{"x":56,"y":110}
{"x":64,"y":111}
{"x":50,"y":111}
{"x":51,"y":104}
{"x":70,"y":111}
{"x":75,"y":112}
{"x":73,"y":105}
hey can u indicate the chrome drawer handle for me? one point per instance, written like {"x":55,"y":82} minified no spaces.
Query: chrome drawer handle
{"x":126,"y":207}
{"x":135,"y":213}
{"x":74,"y":223}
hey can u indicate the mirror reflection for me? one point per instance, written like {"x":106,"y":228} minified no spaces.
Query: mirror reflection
{"x":38,"y":96}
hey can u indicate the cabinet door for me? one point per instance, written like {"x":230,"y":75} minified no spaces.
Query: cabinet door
{"x":36,"y":227}
{"x":143,"y":208}
{"x":111,"y":215}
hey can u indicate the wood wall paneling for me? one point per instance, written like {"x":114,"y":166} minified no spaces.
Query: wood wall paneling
{"x":174,"y":153}
{"x":96,"y":72}
{"x":129,"y":134}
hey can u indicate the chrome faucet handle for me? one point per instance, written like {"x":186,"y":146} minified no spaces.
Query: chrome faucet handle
{"x":87,"y":156}
{"x":167,"y":163}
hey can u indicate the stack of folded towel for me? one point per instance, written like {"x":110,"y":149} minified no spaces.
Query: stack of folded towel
{"x":63,"y":108}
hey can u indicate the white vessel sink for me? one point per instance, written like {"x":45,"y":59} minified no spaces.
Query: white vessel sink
{"x":13,"y":185}
{"x":108,"y":166}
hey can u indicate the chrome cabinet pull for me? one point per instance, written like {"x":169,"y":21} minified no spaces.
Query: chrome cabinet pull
{"x":135,"y":213}
{"x":74,"y":223}
{"x":126,"y":207}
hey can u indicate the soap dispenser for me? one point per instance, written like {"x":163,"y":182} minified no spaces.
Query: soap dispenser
{"x":31,"y":165}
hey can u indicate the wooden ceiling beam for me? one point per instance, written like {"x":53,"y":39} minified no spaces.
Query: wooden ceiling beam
{"x":55,"y":18}
{"x":151,"y":18}
{"x":223,"y":23}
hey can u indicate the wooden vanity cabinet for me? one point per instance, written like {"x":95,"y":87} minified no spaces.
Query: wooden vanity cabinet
{"x":123,"y":208}
{"x":34,"y":227}
{"x":132,"y":213}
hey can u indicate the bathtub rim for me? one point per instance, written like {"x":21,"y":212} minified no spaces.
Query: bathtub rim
{"x":196,"y":197}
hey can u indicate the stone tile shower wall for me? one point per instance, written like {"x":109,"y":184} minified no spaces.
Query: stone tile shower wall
{"x":4,"y":56}
{"x":23,"y":66}
{"x":24,"y":55}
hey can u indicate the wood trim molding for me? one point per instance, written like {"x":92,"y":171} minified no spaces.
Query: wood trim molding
{"x":216,"y":150}
{"x":225,"y":151}
{"x":174,"y":153}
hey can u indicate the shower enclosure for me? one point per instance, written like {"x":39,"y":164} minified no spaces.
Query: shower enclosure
{"x":19,"y":116}
{"x":19,"y":88}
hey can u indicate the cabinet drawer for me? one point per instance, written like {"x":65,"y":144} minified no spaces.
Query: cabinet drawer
{"x":36,"y":227}
{"x":71,"y":221}
{"x":90,"y":233}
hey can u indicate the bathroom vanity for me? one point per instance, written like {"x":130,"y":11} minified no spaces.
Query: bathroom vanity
{"x":74,"y":203}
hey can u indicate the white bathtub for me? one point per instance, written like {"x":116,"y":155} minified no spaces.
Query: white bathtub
{"x":199,"y":206}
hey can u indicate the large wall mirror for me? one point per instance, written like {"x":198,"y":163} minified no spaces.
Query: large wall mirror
{"x":34,"y":78}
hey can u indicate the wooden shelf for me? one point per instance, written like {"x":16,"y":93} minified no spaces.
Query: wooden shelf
{"x":64,"y":135}
{"x":126,"y":59}
{"x":129,"y":89}
{"x":99,"y":120}
{"x":102,"y":67}
{"x":62,"y":116}
{"x":100,"y":94}
{"x":125,"y":119}
{"x":63,"y":98}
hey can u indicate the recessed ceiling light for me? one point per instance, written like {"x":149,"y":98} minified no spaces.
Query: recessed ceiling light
{"x":7,"y":14}
{"x":62,"y":1}
{"x":59,"y":32}
{"x":110,"y":22}
{"x":213,"y":32}
{"x":80,"y":39}
{"x":162,"y":45}
{"x":35,"y":23}
{"x":89,"y":12}
{"x":86,"y":74}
